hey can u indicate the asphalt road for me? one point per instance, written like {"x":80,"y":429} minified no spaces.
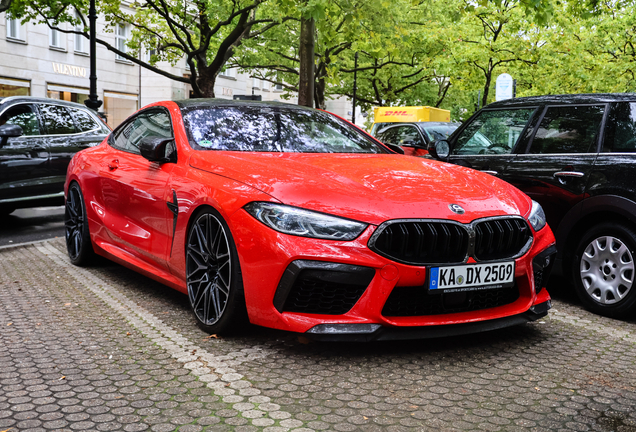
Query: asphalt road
{"x":28,"y":225}
{"x":104,"y":348}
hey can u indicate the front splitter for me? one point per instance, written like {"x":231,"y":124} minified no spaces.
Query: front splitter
{"x":383,"y":333}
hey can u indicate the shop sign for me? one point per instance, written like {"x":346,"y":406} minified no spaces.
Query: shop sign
{"x":65,"y":69}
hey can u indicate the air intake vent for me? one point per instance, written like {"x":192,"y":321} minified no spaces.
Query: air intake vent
{"x":312,"y":293}
{"x":415,"y":301}
{"x":500,"y":238}
{"x":422,"y":242}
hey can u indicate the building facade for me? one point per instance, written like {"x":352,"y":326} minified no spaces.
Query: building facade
{"x":38,"y":61}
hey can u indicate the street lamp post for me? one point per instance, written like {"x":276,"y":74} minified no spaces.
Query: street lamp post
{"x":355,"y":87}
{"x":93,"y":101}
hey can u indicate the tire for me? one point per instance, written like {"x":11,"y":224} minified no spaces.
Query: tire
{"x":78,"y":239}
{"x":213,"y":275}
{"x":604,"y":270}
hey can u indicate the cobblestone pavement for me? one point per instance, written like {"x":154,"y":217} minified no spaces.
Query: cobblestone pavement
{"x":104,"y":348}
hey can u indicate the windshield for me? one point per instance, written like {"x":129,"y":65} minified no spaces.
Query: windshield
{"x":434,"y":133}
{"x":493,"y":132}
{"x":273,"y":129}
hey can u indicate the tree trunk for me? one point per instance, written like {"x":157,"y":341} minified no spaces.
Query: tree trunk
{"x":319,"y":94}
{"x":306,"y":84}
{"x":205,"y":81}
{"x":487,"y":86}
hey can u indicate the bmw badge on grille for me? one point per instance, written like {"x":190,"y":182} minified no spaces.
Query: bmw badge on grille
{"x":456,"y":208}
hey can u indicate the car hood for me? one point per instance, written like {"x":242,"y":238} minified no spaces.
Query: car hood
{"x":371,"y":188}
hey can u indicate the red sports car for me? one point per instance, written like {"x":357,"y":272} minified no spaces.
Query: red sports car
{"x":297,"y":220}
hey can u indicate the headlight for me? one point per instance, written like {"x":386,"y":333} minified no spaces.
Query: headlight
{"x":537,"y":216}
{"x":304,"y":223}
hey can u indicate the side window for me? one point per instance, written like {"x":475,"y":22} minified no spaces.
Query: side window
{"x":569,"y":129}
{"x":408,"y":136}
{"x":57,"y":120}
{"x":23,"y":116}
{"x":145,"y":124}
{"x":84,"y":121}
{"x":493,"y":132}
{"x":620,"y":132}
{"x":387,"y":136}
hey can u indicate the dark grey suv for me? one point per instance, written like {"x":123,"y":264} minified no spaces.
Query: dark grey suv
{"x":38,"y":137}
{"x":576,"y":156}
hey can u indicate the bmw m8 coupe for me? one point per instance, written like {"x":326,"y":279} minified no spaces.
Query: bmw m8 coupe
{"x":292,"y":218}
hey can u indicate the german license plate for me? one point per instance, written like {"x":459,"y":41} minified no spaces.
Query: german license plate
{"x":472,"y":277}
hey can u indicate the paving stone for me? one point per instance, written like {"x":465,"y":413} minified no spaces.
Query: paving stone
{"x":117,"y":351}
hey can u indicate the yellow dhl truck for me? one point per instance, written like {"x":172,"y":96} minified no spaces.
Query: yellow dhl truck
{"x":382,"y":116}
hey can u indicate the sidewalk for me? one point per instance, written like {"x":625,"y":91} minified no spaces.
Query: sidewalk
{"x":103,"y":348}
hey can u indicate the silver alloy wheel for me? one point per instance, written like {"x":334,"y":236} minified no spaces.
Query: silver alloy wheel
{"x":607,"y":270}
{"x":208,"y":269}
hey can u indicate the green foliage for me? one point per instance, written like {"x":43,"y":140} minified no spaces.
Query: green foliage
{"x":445,"y":53}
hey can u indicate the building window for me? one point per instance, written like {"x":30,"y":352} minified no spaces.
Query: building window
{"x":279,"y":87}
{"x":256,"y":83}
{"x":55,"y":39}
{"x":15,"y":30}
{"x":79,"y":39}
{"x":121,"y":36}
{"x":71,"y":94}
{"x":118,"y":106}
{"x":13,"y":87}
{"x":266,"y":85}
{"x":229,"y":73}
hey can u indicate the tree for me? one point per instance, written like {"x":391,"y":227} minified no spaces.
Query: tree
{"x":204,"y":32}
{"x":4,"y":5}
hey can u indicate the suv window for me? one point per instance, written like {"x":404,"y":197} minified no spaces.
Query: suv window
{"x":402,"y":136}
{"x":85,"y":122}
{"x":409,"y":136}
{"x":57,"y":120}
{"x":23,"y":116}
{"x":146,"y":124}
{"x":620,"y":132}
{"x":387,"y":135}
{"x":568,"y":129}
{"x":493,"y":132}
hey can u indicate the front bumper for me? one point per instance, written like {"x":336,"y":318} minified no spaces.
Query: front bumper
{"x":270,"y":262}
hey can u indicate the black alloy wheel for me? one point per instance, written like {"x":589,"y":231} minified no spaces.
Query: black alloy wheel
{"x":604,"y":270}
{"x":213,"y":275}
{"x":78,"y":240}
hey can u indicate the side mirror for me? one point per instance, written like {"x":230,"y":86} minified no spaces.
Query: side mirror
{"x":439,"y":149}
{"x":9,"y":131}
{"x":154,"y":149}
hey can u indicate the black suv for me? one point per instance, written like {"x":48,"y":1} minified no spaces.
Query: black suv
{"x":576,"y":156}
{"x":38,"y":138}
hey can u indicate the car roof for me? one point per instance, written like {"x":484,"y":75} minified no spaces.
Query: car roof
{"x":217,"y":102}
{"x":564,"y":99}
{"x":34,"y":99}
{"x":435,"y":124}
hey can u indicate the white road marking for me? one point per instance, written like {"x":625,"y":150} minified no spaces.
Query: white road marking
{"x":216,"y":371}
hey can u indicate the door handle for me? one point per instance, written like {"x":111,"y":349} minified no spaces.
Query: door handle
{"x":567,"y":174}
{"x":493,"y":173}
{"x":113,"y":165}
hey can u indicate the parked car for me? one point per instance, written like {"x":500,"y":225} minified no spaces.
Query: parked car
{"x":300,"y":221}
{"x":415,"y":138}
{"x":576,"y":156}
{"x":38,"y":137}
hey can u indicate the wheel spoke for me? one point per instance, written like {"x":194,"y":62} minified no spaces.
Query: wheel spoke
{"x":607,"y":269}
{"x":208,"y":269}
